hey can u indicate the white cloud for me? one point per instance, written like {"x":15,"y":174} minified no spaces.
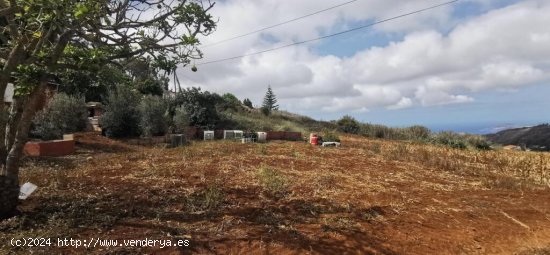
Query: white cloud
{"x":405,"y":102}
{"x":502,"y":49}
{"x":431,"y":97}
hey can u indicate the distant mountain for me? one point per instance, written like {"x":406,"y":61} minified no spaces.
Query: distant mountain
{"x":535,"y":138}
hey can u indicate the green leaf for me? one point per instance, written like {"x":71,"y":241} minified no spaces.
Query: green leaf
{"x":80,"y":10}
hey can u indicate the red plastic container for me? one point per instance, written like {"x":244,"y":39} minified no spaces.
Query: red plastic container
{"x":314,"y":140}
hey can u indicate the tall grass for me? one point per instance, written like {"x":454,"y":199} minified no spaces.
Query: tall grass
{"x":500,"y":166}
{"x":424,"y":135}
{"x":277,"y":121}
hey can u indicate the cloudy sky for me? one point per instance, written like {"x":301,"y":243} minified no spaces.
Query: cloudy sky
{"x":479,"y":63}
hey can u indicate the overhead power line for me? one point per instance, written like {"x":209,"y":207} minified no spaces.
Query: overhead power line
{"x":278,"y":24}
{"x":331,"y":35}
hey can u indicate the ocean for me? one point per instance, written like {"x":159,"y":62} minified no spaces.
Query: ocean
{"x":478,"y":128}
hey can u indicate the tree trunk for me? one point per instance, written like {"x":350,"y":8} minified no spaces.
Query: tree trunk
{"x":9,"y":184}
{"x":12,"y":123}
{"x":9,"y":181}
{"x":9,"y":193}
{"x":15,"y":58}
{"x":18,"y":130}
{"x":4,"y":117}
{"x":22,"y":128}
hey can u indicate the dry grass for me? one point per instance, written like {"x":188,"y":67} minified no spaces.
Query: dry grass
{"x":523,"y":166}
{"x":536,"y":251}
{"x":208,"y":199}
{"x":274,"y":182}
{"x":371,"y":196}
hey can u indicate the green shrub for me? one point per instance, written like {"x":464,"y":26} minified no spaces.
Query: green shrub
{"x":382,"y":132}
{"x":149,"y":86}
{"x":478,"y":142}
{"x":417,"y":133}
{"x":461,"y":141}
{"x":201,"y":106}
{"x":348,"y":124}
{"x":450,"y":139}
{"x":229,"y":102}
{"x":329,"y":136}
{"x":122,"y":115}
{"x":63,"y":114}
{"x":154,"y":116}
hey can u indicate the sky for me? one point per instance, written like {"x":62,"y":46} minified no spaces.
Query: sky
{"x":475,"y":65}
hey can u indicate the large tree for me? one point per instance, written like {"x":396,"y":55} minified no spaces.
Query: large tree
{"x":270,"y":102}
{"x":40,"y":39}
{"x":146,"y":77}
{"x":200,"y":106}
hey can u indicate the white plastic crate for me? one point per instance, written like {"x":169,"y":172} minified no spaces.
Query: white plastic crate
{"x":208,"y":135}
{"x":262,"y":137}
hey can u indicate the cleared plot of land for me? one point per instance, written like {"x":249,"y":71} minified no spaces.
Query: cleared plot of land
{"x":368,"y":196}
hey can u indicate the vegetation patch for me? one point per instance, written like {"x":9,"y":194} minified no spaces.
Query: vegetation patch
{"x":208,"y":199}
{"x":273,"y":181}
{"x":64,"y":114}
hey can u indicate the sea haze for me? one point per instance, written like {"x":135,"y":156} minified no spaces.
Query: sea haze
{"x":478,"y":128}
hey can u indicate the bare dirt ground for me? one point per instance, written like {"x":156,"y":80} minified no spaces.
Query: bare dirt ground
{"x":366,"y":197}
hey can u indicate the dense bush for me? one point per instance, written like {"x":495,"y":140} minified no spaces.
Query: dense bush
{"x":149,"y":86}
{"x":450,"y":139}
{"x":63,"y":114}
{"x":229,"y":102}
{"x":180,"y":121}
{"x":461,"y":141}
{"x":329,"y":136}
{"x":348,"y":124}
{"x":478,"y":142}
{"x":201,"y":106}
{"x":122,"y":115}
{"x":154,"y":116}
{"x":382,"y":132}
{"x":417,"y":133}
